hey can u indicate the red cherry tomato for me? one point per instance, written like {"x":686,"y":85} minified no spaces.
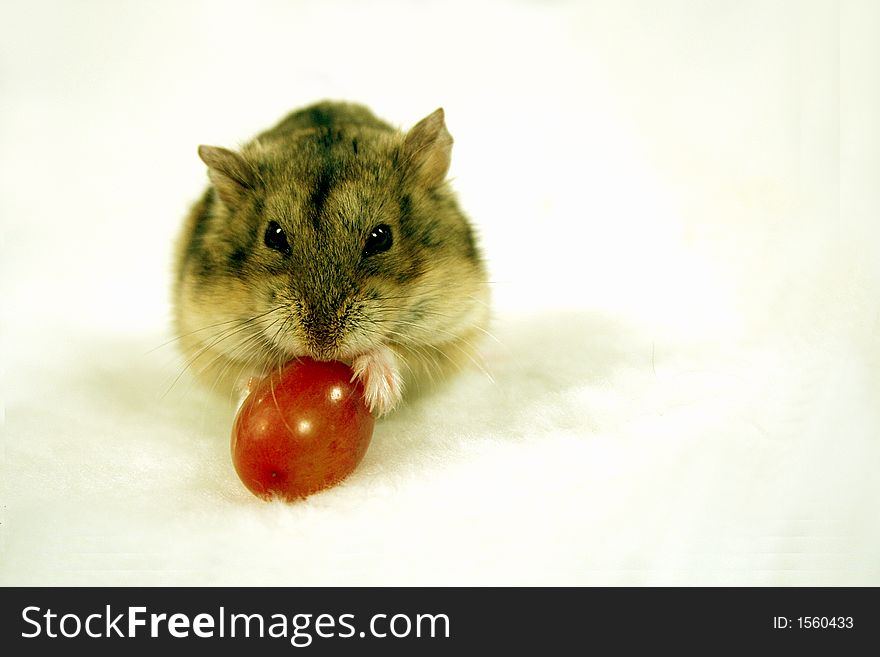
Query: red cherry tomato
{"x":302,"y":429}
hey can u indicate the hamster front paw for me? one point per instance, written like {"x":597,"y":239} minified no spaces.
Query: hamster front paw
{"x":379,"y":374}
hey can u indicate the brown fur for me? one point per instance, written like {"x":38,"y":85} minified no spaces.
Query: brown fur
{"x":328,"y":175}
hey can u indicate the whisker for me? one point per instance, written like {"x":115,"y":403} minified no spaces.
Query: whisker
{"x":246,"y":352}
{"x":226,"y":334}
{"x":210,"y":326}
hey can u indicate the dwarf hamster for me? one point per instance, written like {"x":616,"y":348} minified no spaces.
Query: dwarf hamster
{"x":336,"y":236}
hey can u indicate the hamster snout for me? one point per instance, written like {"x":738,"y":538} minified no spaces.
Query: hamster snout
{"x":335,"y":236}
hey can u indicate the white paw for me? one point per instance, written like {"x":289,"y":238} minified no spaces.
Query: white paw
{"x":379,"y":374}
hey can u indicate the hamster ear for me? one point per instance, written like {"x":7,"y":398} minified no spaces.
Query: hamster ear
{"x":428,"y":148}
{"x":230,"y":173}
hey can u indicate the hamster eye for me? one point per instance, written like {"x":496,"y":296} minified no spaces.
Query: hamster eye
{"x":379,"y":240}
{"x":276,"y":239}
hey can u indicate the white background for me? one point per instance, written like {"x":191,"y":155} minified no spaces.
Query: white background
{"x":679,"y":204}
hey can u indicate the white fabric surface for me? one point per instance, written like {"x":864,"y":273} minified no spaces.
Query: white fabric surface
{"x":679,"y":202}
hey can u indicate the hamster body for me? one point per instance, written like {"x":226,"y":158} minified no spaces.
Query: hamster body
{"x":332,"y":235}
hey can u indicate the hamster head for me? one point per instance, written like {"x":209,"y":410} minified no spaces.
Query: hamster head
{"x":332,"y":242}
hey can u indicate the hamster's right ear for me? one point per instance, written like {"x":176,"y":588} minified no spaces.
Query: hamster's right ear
{"x":230,"y":173}
{"x":428,"y":146}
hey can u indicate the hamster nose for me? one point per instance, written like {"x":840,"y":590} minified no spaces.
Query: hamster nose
{"x":323,"y":352}
{"x":324,"y":330}
{"x":323,"y":341}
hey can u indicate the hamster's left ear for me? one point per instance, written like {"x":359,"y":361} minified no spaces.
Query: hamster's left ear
{"x":428,"y":148}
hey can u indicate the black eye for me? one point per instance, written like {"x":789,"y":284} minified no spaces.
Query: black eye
{"x":276,"y":239}
{"x":379,"y":240}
